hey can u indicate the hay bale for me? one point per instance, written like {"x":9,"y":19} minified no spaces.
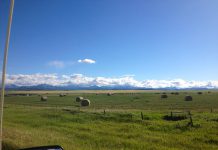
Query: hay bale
{"x":164,"y":96}
{"x":44,"y":98}
{"x":85,"y":102}
{"x":62,"y":95}
{"x":176,"y":93}
{"x":109,"y":94}
{"x":188,"y":98}
{"x":79,"y":99}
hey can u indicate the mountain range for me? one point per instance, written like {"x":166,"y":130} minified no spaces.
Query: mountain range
{"x":80,"y":87}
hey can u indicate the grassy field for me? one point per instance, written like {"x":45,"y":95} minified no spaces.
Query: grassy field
{"x":126,"y":120}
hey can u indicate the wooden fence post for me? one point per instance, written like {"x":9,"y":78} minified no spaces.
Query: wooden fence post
{"x":190,"y":117}
{"x":191,"y":122}
{"x":142,"y":116}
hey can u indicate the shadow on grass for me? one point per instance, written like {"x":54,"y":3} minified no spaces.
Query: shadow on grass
{"x":216,"y":119}
{"x":174,"y":118}
{"x":9,"y":146}
{"x":212,"y":141}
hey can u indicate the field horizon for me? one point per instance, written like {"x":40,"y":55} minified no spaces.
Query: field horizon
{"x":105,"y":91}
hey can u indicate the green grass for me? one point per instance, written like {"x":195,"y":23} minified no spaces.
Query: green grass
{"x":60,"y":120}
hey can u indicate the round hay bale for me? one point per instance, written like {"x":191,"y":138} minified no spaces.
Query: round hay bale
{"x":164,"y":96}
{"x":109,"y":94}
{"x":176,"y":93}
{"x":79,"y":99}
{"x":62,"y":95}
{"x":188,"y":98}
{"x":85,"y":102}
{"x":44,"y":98}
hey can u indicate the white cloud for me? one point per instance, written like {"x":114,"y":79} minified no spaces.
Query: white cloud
{"x":87,"y":61}
{"x":81,"y":80}
{"x":56,"y":64}
{"x":62,"y":64}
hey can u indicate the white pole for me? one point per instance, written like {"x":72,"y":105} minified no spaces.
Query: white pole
{"x":4,"y":68}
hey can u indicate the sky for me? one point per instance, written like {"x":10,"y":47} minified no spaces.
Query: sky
{"x":113,"y":39}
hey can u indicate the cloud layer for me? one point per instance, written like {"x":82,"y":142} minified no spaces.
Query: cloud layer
{"x":82,"y":80}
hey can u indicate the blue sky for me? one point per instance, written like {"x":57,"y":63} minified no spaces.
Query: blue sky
{"x":149,"y":39}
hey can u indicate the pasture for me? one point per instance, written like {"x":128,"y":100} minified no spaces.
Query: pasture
{"x":125,"y":120}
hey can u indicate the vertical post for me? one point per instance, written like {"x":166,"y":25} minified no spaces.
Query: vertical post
{"x":104,"y":112}
{"x":189,"y":113}
{"x":142,"y":116}
{"x":4,"y":67}
{"x":191,"y":122}
{"x":190,"y":117}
